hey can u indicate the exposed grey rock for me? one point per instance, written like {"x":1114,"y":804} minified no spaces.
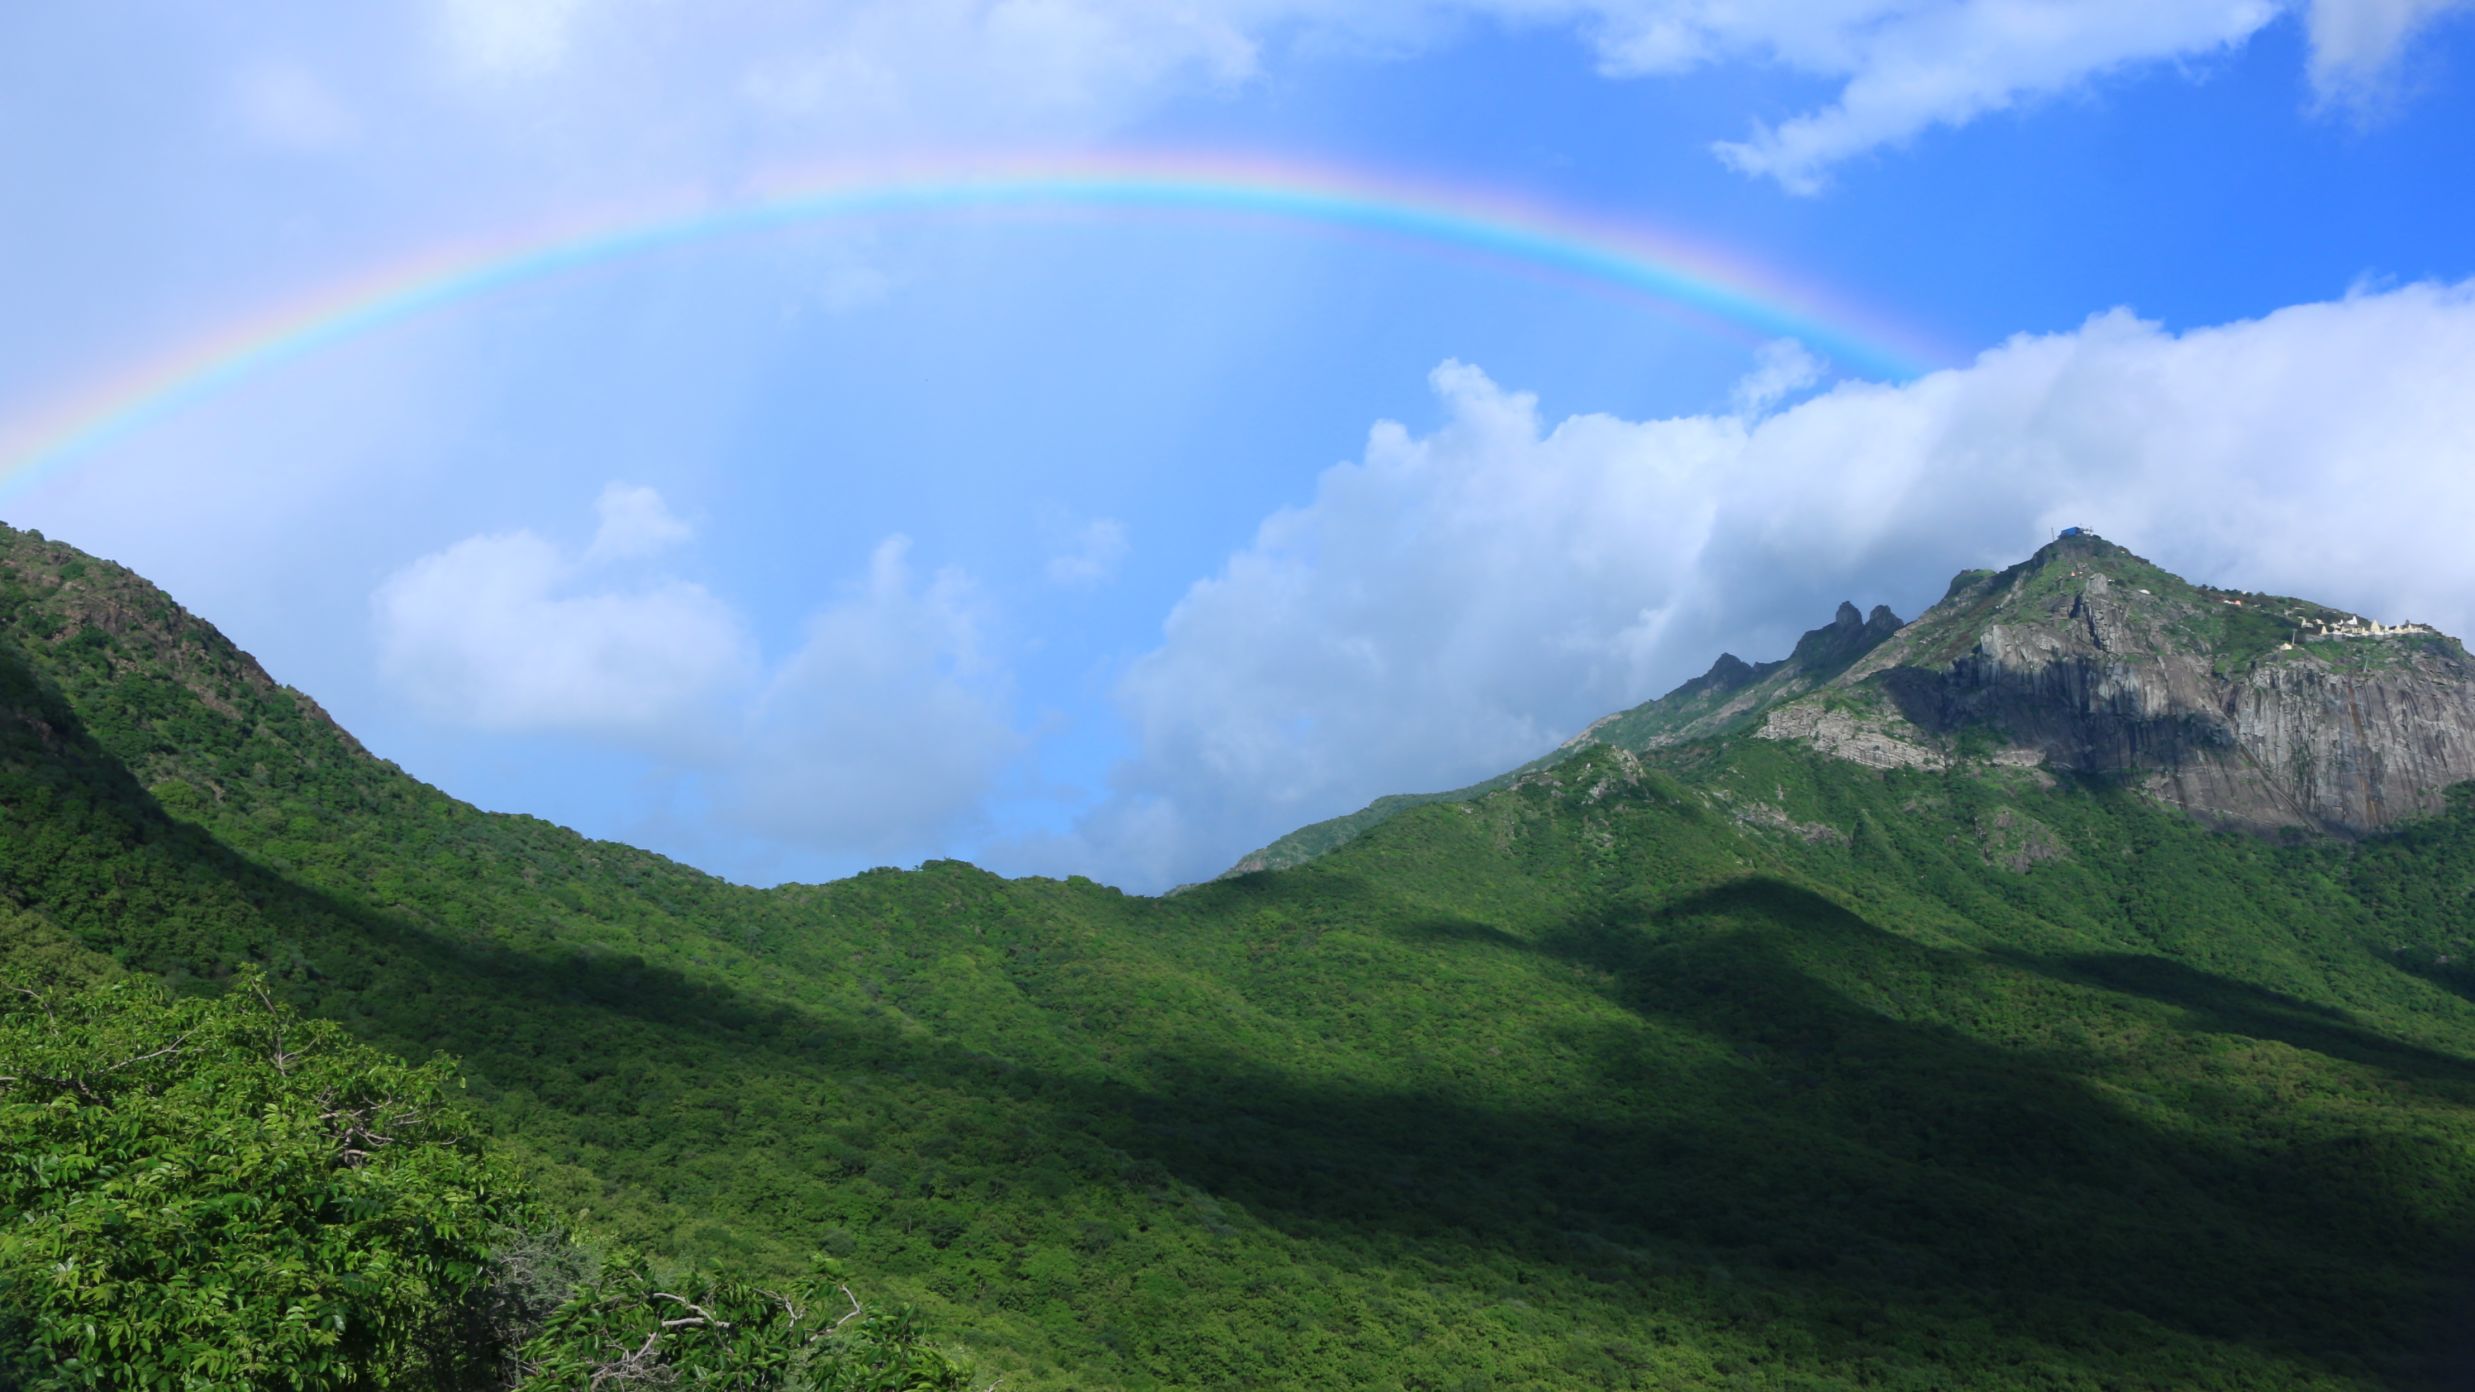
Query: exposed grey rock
{"x":2095,"y":662}
{"x":1874,"y":741}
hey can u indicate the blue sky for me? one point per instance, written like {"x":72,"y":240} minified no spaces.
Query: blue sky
{"x":1078,"y":542}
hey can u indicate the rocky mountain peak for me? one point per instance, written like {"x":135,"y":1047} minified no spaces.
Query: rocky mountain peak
{"x":1848,"y":636}
{"x":1729,"y":673}
{"x":2253,"y":710}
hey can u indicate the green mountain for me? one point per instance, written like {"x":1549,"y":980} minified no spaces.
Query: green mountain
{"x":2065,"y":990}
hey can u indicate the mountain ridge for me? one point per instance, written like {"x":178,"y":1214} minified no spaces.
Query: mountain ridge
{"x":2257,"y":712}
{"x":2084,"y":658}
{"x":1718,"y":701}
{"x":1732,"y":1062}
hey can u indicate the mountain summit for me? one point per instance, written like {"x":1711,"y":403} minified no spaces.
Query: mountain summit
{"x":2261,"y":712}
{"x":2255,"y":711}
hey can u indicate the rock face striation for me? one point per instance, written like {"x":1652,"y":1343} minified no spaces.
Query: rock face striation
{"x":2248,"y":710}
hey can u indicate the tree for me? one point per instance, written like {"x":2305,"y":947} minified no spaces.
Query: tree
{"x":211,"y":1193}
{"x":216,"y":1192}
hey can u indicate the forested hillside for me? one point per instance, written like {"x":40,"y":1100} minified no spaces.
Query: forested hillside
{"x":1723,"y":1064}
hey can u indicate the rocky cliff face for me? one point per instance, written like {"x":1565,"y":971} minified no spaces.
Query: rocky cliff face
{"x":2237,"y":707}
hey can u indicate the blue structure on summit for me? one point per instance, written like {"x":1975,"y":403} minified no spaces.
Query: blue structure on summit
{"x":2069,"y":532}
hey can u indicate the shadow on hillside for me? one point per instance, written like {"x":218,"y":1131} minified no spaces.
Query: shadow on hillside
{"x":1813,"y":1163}
{"x":1466,"y":933}
{"x":2453,"y":974}
{"x":1837,"y":1151}
{"x":165,"y":895}
{"x":2055,"y":710}
{"x":2219,"y":1005}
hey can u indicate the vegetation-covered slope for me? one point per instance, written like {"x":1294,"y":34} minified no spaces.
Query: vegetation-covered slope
{"x":216,"y":1193}
{"x":1736,"y":1065}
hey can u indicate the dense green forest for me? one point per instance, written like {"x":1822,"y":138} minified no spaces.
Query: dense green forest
{"x":214,"y":1192}
{"x":1733,"y":1067}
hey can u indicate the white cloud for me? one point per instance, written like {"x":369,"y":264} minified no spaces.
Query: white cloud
{"x":513,"y":632}
{"x":2355,"y":42}
{"x":881,"y":734}
{"x":634,"y":522}
{"x":1908,"y":66}
{"x":1084,"y":555}
{"x":1782,"y":368}
{"x":1455,"y":603}
{"x":887,"y":729}
{"x":1444,"y":609}
{"x":1912,"y":66}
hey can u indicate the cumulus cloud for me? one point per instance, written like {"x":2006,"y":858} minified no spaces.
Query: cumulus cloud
{"x":1086,"y":554}
{"x":514,"y":632}
{"x":880,"y":734}
{"x":889,"y":725}
{"x":1456,"y":602}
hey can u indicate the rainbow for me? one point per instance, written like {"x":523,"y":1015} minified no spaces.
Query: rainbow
{"x":1676,"y":273}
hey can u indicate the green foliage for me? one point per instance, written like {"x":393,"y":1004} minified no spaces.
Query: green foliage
{"x":215,"y":1193}
{"x":728,"y":1333}
{"x":1733,"y":1067}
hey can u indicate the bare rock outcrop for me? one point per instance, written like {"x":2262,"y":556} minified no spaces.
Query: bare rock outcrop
{"x":1870,"y":740}
{"x":2243,"y":709}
